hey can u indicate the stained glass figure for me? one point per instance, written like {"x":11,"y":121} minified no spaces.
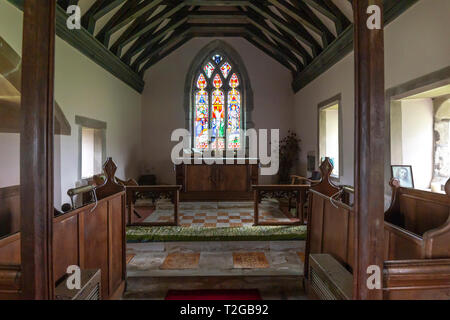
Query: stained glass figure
{"x":217,"y":82}
{"x":234,"y":81}
{"x":217,"y":58}
{"x":225,"y":68}
{"x":201,"y":119}
{"x":209,"y":69}
{"x":201,"y":82}
{"x":234,"y":119}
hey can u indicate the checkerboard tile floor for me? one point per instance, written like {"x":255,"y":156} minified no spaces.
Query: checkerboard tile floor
{"x":218,"y":214}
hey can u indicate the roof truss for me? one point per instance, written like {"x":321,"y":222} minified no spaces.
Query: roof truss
{"x":139,"y":33}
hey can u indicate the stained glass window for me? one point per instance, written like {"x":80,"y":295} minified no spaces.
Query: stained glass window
{"x":217,"y":58}
{"x":209,"y":69}
{"x":234,"y":114}
{"x":217,"y":118}
{"x":225,"y":68}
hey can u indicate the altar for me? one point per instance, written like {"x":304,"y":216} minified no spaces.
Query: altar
{"x":217,"y":182}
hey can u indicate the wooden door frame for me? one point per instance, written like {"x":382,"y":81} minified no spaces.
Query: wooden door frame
{"x":36,"y":148}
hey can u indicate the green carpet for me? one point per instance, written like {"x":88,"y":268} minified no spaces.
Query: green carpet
{"x":260,"y":233}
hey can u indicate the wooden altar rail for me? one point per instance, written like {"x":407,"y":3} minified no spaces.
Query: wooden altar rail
{"x":171,"y":191}
{"x":287,"y":191}
{"x":91,"y":237}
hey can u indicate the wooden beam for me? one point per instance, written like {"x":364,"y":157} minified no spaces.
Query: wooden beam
{"x":164,"y":54}
{"x":150,"y":40}
{"x":67,"y":3}
{"x":36,"y":149}
{"x":261,"y":24}
{"x":99,"y":9}
{"x":117,"y":46}
{"x":270,"y":53}
{"x":275,"y":47}
{"x":329,"y":9}
{"x":153,"y":22}
{"x":343,"y":45}
{"x":97,"y":52}
{"x":166,"y":45}
{"x":297,"y":31}
{"x":302,"y":17}
{"x":369,"y":151}
{"x":113,"y":23}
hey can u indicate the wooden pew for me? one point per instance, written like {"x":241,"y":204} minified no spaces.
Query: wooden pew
{"x":417,"y":243}
{"x":417,"y":224}
{"x":91,"y":237}
{"x":330,"y":221}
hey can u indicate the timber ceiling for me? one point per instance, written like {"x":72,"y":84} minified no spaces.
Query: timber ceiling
{"x":128,"y":37}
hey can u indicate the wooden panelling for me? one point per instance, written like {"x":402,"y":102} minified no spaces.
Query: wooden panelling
{"x":200,"y":178}
{"x":9,"y":210}
{"x":233,"y":178}
{"x":217,"y":181}
{"x":115,"y":239}
{"x":65,"y":245}
{"x":96,"y":243}
{"x":427,"y":279}
{"x":10,"y":250}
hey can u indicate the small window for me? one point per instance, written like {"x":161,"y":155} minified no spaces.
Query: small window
{"x":92,"y":146}
{"x":330,"y":134}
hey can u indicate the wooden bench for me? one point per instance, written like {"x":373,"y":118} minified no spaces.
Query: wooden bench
{"x":417,"y":237}
{"x":417,"y":224}
{"x":91,"y":237}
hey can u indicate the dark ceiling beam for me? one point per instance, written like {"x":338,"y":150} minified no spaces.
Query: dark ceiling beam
{"x":276,"y":47}
{"x":154,"y":46}
{"x":67,"y":3}
{"x":124,"y":18}
{"x":178,"y":43}
{"x":153,"y":22}
{"x":331,"y":11}
{"x":175,"y":38}
{"x":270,"y":53}
{"x":117,"y":46}
{"x":293,"y":46}
{"x":96,"y":11}
{"x":296,"y":30}
{"x":214,"y":16}
{"x":152,"y":38}
{"x":301,"y":16}
{"x":222,"y":3}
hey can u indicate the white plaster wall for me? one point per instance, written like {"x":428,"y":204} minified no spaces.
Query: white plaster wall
{"x":416,"y":44}
{"x":83,"y":88}
{"x":417,"y":146}
{"x":163,"y":96}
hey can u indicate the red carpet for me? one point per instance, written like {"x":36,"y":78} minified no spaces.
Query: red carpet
{"x":213,"y":295}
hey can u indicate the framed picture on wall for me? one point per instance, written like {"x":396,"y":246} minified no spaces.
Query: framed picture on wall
{"x":403,"y":173}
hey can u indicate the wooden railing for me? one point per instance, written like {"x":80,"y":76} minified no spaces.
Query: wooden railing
{"x":154,"y":193}
{"x":290,"y":192}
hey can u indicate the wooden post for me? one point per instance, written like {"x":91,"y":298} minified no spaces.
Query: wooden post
{"x":36,"y":149}
{"x":369,"y":148}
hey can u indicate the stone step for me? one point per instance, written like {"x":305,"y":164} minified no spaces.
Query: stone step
{"x":273,"y":287}
{"x":215,"y":246}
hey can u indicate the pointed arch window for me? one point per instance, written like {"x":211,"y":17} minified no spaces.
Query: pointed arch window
{"x":217,"y":105}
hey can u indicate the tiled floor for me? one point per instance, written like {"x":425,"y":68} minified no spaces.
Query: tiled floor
{"x":218,"y":214}
{"x":273,"y":267}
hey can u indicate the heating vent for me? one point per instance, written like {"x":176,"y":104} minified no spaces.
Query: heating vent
{"x":90,"y":287}
{"x":328,"y":279}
